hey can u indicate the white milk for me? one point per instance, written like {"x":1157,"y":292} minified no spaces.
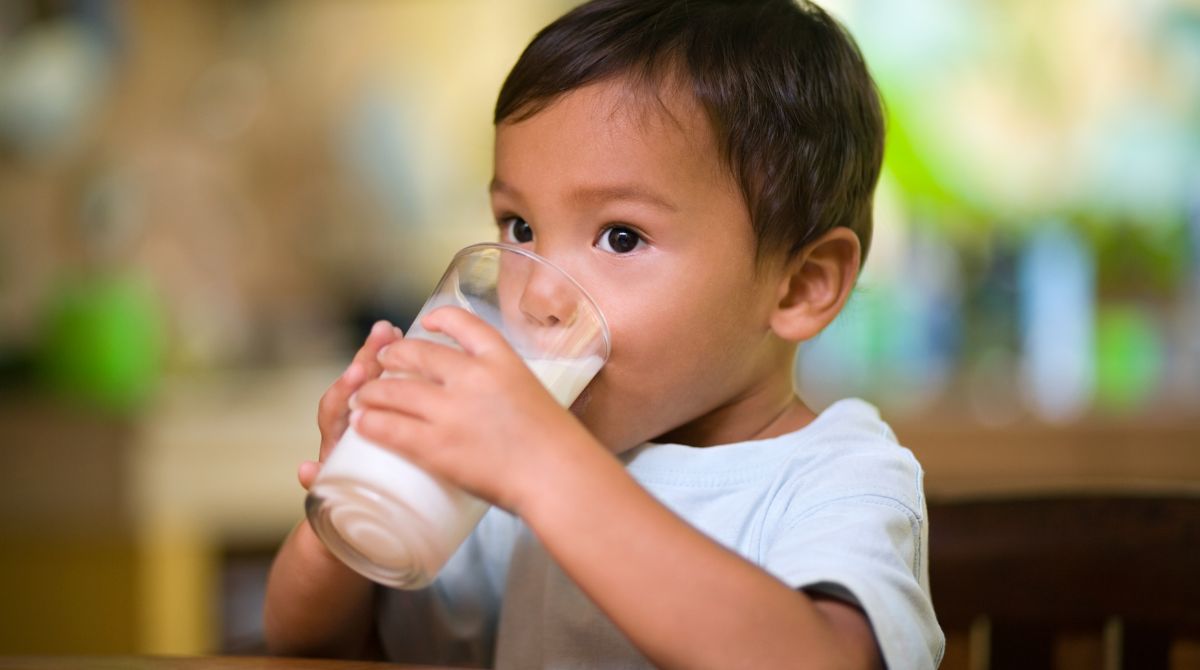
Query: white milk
{"x":392,"y":514}
{"x":565,"y":379}
{"x":400,"y":525}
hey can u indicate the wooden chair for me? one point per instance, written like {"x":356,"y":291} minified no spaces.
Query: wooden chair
{"x":1013,"y":577}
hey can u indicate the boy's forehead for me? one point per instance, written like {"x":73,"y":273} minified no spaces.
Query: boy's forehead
{"x":647,"y":103}
{"x":662,"y":114}
{"x":653,"y":103}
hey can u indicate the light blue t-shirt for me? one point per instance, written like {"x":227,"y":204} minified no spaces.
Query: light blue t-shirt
{"x":835,"y":507}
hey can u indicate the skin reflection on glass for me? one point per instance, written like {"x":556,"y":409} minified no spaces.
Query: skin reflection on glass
{"x":541,"y":307}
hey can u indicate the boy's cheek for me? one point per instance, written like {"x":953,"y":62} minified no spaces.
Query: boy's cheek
{"x":579,"y":407}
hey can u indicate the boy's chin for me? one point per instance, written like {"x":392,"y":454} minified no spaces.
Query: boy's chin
{"x":613,"y":443}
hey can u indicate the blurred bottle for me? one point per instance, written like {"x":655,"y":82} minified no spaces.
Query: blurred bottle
{"x":1057,"y":288}
{"x":927,"y":333}
{"x":991,"y":340}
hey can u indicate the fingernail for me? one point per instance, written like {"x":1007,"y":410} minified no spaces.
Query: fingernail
{"x":355,"y":417}
{"x":379,"y":328}
{"x":352,"y":373}
{"x":354,"y":400}
{"x":382,"y":352}
{"x":399,"y":333}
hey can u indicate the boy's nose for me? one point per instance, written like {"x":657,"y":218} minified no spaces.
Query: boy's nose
{"x":547,"y":299}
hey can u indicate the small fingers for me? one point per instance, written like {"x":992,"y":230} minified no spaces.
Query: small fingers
{"x":399,"y":432}
{"x":382,"y":334}
{"x":307,"y":473}
{"x":474,"y":334}
{"x":430,"y":360}
{"x":332,"y":409}
{"x":414,"y":396}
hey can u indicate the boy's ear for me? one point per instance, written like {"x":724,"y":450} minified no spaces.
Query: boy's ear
{"x":816,"y":284}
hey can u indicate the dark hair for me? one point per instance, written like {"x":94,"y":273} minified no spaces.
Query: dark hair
{"x":795,"y":112}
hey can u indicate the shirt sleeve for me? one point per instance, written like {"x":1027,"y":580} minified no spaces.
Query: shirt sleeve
{"x":869,"y":550}
{"x":454,"y":620}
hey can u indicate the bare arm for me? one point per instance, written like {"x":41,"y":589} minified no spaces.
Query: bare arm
{"x":709,"y":607}
{"x":315,"y":605}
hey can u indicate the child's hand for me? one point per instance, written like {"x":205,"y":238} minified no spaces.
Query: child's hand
{"x":333,"y":412}
{"x":477,"y":417}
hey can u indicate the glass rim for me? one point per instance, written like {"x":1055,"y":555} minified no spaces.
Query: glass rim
{"x":500,"y":246}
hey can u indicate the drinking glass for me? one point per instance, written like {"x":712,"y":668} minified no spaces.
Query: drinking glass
{"x":388,"y":519}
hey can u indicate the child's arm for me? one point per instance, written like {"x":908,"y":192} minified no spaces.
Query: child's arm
{"x":684,"y":600}
{"x":315,"y":605}
{"x":480,"y":419}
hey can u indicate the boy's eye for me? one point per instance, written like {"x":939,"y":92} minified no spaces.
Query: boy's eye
{"x":515,"y":229}
{"x":619,"y":240}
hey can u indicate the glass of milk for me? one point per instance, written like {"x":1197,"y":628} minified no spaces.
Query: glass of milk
{"x":391,"y":521}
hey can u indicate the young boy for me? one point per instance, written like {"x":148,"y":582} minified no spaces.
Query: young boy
{"x":705,"y":170}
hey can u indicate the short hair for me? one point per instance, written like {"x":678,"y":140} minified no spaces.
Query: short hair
{"x":795,"y":113}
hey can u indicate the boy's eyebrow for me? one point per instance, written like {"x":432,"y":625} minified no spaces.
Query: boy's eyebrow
{"x":601,"y":193}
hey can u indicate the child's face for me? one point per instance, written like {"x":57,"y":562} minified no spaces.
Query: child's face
{"x":637,"y":206}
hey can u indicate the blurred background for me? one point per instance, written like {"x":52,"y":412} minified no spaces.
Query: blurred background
{"x":204,"y":205}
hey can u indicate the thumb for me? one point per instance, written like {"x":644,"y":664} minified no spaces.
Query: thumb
{"x":307,"y":473}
